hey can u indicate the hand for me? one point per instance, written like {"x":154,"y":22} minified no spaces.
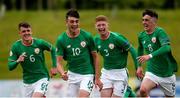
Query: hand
{"x":143,"y":58}
{"x":139,"y":73}
{"x":53,"y":72}
{"x":64,"y":76}
{"x":99,"y":84}
{"x":21,"y":57}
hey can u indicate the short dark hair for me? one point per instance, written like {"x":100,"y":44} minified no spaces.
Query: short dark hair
{"x":150,"y":12}
{"x":24,"y":24}
{"x":72,"y":13}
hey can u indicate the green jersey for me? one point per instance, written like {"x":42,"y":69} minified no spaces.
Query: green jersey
{"x":34,"y":67}
{"x":162,"y":65}
{"x":114,"y":50}
{"x":77,"y":52}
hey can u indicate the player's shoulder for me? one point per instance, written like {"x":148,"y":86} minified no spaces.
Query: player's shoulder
{"x":17,"y":42}
{"x":117,"y":35}
{"x":159,"y":30}
{"x":85,"y":33}
{"x":61,"y":36}
{"x":141,"y":34}
{"x":97,"y":37}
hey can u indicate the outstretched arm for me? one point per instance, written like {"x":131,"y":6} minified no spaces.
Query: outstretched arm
{"x":162,"y":50}
{"x":97,"y":70}
{"x":134,"y":56}
{"x":53,"y":70}
{"x":12,"y":64}
{"x":60,"y":68}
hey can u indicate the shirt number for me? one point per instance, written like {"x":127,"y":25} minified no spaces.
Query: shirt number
{"x":32,"y":58}
{"x":76,"y":51}
{"x":106,"y":52}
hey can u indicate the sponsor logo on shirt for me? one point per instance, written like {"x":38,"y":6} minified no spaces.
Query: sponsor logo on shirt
{"x":153,"y":39}
{"x":69,"y":46}
{"x":36,"y":50}
{"x":99,"y":46}
{"x":83,"y":43}
{"x":144,"y":42}
{"x":111,"y":46}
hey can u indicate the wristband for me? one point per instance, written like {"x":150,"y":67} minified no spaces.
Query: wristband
{"x":150,"y":55}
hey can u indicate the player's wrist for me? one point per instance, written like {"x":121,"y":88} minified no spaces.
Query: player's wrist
{"x":17,"y":61}
{"x":150,"y":55}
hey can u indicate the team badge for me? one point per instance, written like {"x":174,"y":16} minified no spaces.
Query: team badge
{"x":111,"y":46}
{"x":37,"y":50}
{"x":10,"y":53}
{"x":83,"y":43}
{"x":69,"y":46}
{"x":99,"y":46}
{"x":153,"y":39}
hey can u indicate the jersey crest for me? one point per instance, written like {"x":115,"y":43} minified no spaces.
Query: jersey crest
{"x":83,"y":44}
{"x":153,"y":39}
{"x":37,"y":50}
{"x":111,"y":46}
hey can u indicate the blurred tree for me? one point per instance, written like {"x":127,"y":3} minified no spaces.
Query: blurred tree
{"x":23,"y":5}
{"x":39,"y":4}
{"x":169,"y":4}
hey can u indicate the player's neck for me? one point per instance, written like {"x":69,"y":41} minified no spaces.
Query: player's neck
{"x":105,"y":36}
{"x":151,"y":30}
{"x":73,"y":34}
{"x":27,"y":42}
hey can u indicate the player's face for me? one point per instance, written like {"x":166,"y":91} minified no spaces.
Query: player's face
{"x":102,"y":27}
{"x":72,"y":24}
{"x":25,"y":33}
{"x":148,"y":23}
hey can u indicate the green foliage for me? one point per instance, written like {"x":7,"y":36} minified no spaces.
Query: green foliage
{"x":48,"y":25}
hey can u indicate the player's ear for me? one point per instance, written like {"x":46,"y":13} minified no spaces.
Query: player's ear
{"x":19,"y":32}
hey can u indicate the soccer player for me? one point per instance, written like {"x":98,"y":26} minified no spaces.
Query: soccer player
{"x":29,"y":52}
{"x":114,"y":49}
{"x":160,"y":63}
{"x":77,"y":47}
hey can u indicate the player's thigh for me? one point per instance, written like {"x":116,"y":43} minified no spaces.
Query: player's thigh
{"x":107,"y":92}
{"x":149,"y":82}
{"x":41,"y":86}
{"x":73,"y":89}
{"x":120,"y":87}
{"x":168,"y":85}
{"x":28,"y":90}
{"x":87,"y":83}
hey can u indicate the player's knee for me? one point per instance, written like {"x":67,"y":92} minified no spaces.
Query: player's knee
{"x":143,"y":92}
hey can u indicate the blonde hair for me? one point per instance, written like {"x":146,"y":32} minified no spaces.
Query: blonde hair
{"x":101,"y":18}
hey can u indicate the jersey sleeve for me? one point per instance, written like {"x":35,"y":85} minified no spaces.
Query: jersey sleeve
{"x":92,"y":46}
{"x":140,"y":50}
{"x":59,"y":47}
{"x":46,"y":45}
{"x":163,"y":38}
{"x":13,"y":56}
{"x":49,"y":47}
{"x":124,"y":43}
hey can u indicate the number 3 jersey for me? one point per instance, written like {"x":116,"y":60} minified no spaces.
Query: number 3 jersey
{"x":77,"y":52}
{"x":114,"y":50}
{"x":33,"y":66}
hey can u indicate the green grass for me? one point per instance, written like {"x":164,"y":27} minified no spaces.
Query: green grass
{"x":48,"y":25}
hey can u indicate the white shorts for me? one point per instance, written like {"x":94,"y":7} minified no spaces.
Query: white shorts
{"x":116,"y":79}
{"x":79,"y":82}
{"x":39,"y":86}
{"x":167,"y":84}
